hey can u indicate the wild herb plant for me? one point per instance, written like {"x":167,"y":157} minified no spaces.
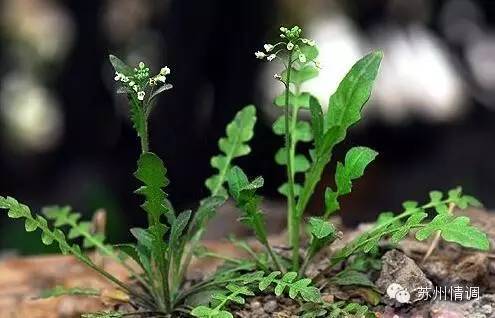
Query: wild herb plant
{"x":298,"y":57}
{"x":165,"y":248}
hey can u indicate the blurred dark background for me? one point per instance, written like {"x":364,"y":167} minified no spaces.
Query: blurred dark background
{"x":65,"y":136}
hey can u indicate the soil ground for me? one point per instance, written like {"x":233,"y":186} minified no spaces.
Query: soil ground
{"x":22,"y":280}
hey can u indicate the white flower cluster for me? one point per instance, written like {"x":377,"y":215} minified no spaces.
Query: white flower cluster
{"x":140,"y":79}
{"x":291,"y":42}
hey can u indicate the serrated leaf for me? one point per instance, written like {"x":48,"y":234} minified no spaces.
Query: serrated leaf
{"x":455,"y":229}
{"x":411,"y":222}
{"x":244,"y":193}
{"x":356,"y":161}
{"x":151,"y":171}
{"x":238,"y":133}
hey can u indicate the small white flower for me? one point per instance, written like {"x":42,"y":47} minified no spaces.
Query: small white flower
{"x":131,"y":83}
{"x":152,"y":82}
{"x":311,"y":42}
{"x":305,"y":41}
{"x":141,"y":95}
{"x":260,"y":55}
{"x":302,"y":58}
{"x":141,"y":65}
{"x":268,"y":47}
{"x":161,"y":78}
{"x":117,"y":77}
{"x":124,"y":78}
{"x":283,"y":29}
{"x":282,"y":36}
{"x":271,"y":57}
{"x":165,"y":71}
{"x":135,"y":88}
{"x":290,"y":46}
{"x":277,"y":76}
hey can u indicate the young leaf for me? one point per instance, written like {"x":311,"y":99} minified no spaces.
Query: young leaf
{"x":356,"y":160}
{"x":244,"y":193}
{"x":239,"y":132}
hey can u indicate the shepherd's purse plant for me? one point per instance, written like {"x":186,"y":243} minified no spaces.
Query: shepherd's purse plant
{"x":164,"y":249}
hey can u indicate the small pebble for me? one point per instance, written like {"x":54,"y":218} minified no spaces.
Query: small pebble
{"x":486,"y":309}
{"x":270,"y":306}
{"x":328,"y":298}
{"x":255,"y":304}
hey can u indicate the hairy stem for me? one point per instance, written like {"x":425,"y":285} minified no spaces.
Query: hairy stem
{"x":274,"y":258}
{"x":292,"y":219}
{"x":144,"y":137}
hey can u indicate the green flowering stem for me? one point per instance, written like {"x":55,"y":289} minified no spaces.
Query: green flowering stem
{"x":290,"y":116}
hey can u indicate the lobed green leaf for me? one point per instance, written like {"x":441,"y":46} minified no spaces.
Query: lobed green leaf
{"x":238,"y":133}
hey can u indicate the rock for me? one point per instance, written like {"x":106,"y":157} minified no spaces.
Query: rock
{"x":270,"y":306}
{"x":255,"y":304}
{"x":399,"y":269}
{"x":483,"y":307}
{"x":446,"y":309}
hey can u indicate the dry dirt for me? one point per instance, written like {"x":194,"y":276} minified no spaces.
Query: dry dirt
{"x":22,"y":279}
